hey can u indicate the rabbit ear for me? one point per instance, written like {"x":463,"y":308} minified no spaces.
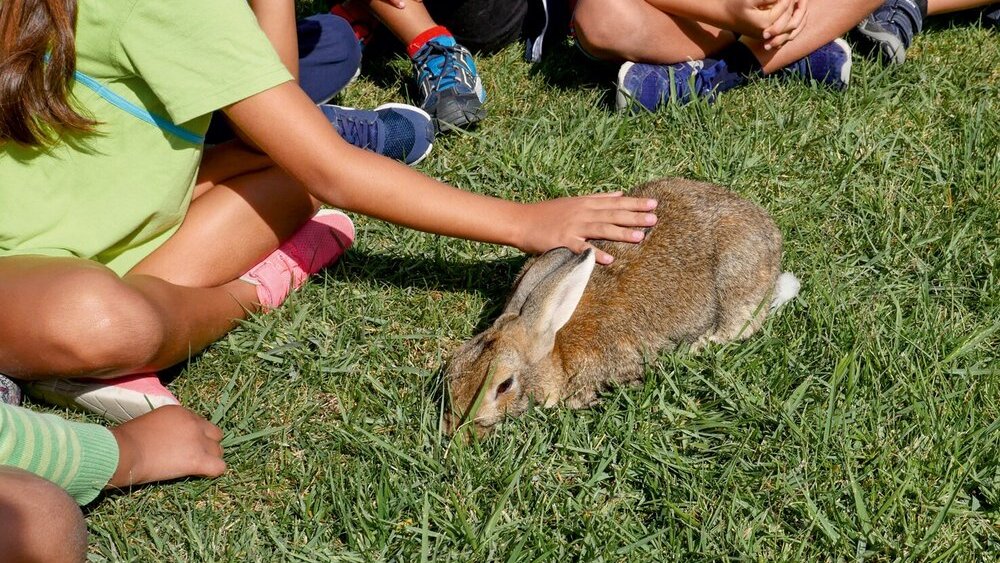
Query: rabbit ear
{"x":538,"y":271}
{"x":549,"y":307}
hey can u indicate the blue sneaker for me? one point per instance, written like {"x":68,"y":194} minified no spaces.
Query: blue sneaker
{"x":888,"y":31}
{"x":10,"y":393}
{"x":991,"y":15}
{"x":652,"y":86}
{"x":398,"y":131}
{"x":829,"y":65}
{"x":449,"y":84}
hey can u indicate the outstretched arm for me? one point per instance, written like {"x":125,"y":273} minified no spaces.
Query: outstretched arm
{"x":293,"y":132}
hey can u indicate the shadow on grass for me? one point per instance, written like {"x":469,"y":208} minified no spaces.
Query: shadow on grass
{"x":564,"y":67}
{"x":489,"y":279}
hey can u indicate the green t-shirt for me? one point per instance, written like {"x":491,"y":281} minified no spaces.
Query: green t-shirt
{"x":117,"y":195}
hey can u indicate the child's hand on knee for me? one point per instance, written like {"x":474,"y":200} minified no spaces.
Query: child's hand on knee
{"x":167,"y":443}
{"x":788,"y":25}
{"x":760,"y":19}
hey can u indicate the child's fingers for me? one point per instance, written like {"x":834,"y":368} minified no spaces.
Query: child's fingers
{"x":794,"y":27}
{"x":622,"y":203}
{"x":782,"y":13}
{"x":799,"y":18}
{"x":602,"y":258}
{"x":623,"y":218}
{"x":609,"y":194}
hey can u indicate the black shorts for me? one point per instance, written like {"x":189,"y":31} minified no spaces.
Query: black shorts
{"x":482,"y":25}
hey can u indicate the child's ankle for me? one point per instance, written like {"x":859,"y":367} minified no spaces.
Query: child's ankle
{"x":430,"y":33}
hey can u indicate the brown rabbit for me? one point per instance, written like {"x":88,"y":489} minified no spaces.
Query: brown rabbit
{"x":707,"y":272}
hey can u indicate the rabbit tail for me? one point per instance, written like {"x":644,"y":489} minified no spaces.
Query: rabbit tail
{"x":785,"y":289}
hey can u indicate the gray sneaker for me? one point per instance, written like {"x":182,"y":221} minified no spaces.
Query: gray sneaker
{"x":888,"y":31}
{"x":10,"y":393}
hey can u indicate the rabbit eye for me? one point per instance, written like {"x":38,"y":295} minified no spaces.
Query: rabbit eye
{"x":505,"y":386}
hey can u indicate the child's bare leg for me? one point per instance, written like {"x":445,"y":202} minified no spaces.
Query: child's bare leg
{"x":244,"y":207}
{"x":935,"y":7}
{"x":637,"y":31}
{"x":38,"y":520}
{"x":826,"y":22}
{"x":67,"y":317}
{"x":633,"y":30}
{"x":405,"y":23}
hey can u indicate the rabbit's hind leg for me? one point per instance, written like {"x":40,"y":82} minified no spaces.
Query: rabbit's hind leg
{"x":737,"y":321}
{"x":744,"y":292}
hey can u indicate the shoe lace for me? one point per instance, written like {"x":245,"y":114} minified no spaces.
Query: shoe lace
{"x":442,"y":65}
{"x":362,"y":133}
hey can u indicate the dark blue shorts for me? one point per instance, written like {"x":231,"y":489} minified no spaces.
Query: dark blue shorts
{"x":329,"y":55}
{"x":329,"y":58}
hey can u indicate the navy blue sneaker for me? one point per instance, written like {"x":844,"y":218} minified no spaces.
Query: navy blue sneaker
{"x":398,"y":131}
{"x":10,"y":393}
{"x":652,"y":86}
{"x":449,"y":84}
{"x":888,"y":31}
{"x":991,"y":15}
{"x":829,"y":65}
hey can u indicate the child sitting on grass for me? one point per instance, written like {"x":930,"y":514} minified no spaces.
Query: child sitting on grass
{"x":126,"y":245}
{"x":888,"y":31}
{"x":681,"y":50}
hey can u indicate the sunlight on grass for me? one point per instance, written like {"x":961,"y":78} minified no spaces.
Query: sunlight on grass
{"x":861,"y":423}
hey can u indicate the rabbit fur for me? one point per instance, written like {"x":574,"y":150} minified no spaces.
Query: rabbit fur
{"x":705,"y":273}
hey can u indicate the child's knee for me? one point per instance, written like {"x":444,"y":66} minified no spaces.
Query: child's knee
{"x":601,"y":27}
{"x":38,"y":520}
{"x":329,"y":55}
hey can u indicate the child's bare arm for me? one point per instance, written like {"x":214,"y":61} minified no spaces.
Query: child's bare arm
{"x":277,"y":19}
{"x":288,"y":127}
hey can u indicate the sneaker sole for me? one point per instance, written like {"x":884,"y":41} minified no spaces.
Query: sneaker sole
{"x":889,"y":46}
{"x":328,"y":211}
{"x":622,"y":98}
{"x":458,"y":119}
{"x":393,"y":105}
{"x":103,"y":400}
{"x":845,"y":71}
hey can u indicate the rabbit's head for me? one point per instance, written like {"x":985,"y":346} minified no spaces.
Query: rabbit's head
{"x":500,"y":371}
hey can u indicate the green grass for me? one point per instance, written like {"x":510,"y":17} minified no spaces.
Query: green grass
{"x":862,"y":423}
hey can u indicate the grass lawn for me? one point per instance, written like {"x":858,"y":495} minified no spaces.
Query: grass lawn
{"x":862,"y":422}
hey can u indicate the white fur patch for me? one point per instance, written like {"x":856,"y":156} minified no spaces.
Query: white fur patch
{"x":785,"y":289}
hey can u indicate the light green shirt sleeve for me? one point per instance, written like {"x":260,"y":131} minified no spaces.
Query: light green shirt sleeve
{"x":80,"y":458}
{"x":199,"y":56}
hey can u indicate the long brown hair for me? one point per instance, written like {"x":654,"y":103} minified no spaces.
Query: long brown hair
{"x":34,"y":94}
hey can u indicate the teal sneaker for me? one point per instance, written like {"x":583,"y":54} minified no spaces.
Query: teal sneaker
{"x":449,"y":84}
